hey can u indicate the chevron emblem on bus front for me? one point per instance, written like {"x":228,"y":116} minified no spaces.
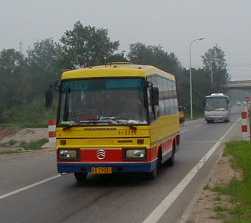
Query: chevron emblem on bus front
{"x":101,"y":154}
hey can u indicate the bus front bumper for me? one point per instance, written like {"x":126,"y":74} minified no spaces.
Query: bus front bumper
{"x":216,"y":118}
{"x":129,"y":167}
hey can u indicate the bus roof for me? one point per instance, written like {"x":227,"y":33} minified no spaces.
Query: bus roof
{"x":115,"y":70}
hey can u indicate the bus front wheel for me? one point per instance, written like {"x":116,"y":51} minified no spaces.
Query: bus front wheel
{"x":171,"y":160}
{"x":80,"y":177}
{"x":154,"y":173}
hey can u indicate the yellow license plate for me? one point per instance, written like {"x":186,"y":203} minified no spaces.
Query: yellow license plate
{"x":101,"y":170}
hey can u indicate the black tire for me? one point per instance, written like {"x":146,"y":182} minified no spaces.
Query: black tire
{"x":171,"y":160}
{"x":154,"y":173}
{"x":80,"y":177}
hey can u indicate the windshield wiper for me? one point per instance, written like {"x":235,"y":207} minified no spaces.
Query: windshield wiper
{"x":108,"y":120}
{"x":130,"y":123}
{"x":116,"y":120}
{"x":68,"y":124}
{"x":112,"y":120}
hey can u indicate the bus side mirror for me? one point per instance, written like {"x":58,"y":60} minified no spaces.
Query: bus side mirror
{"x":155,"y":96}
{"x":181,"y":114}
{"x":57,"y":85}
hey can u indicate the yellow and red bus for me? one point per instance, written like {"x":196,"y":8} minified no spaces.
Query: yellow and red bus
{"x":117,"y":118}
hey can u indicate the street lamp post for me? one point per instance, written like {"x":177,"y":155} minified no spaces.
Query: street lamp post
{"x":212,"y":62}
{"x":190,"y":77}
{"x":211,"y":76}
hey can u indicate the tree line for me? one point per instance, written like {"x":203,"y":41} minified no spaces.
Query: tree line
{"x":25,"y":76}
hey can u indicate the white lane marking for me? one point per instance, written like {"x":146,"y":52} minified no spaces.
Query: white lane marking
{"x":29,"y":187}
{"x":167,"y":202}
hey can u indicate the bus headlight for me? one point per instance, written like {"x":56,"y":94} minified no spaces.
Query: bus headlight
{"x":68,"y":154}
{"x":135,"y":154}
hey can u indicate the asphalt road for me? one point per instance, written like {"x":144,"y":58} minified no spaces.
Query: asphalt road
{"x":109,"y":199}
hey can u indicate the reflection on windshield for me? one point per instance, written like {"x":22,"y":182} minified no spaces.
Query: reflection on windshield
{"x":216,"y":104}
{"x":103,"y":101}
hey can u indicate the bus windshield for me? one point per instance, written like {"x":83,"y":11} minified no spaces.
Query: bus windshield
{"x":103,"y":101}
{"x":216,"y":103}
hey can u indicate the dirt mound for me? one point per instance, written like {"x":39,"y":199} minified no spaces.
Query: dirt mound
{"x":27,"y":135}
{"x":29,"y":138}
{"x":7,"y":132}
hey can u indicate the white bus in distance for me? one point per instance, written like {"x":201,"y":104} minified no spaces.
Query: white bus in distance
{"x":217,"y":108}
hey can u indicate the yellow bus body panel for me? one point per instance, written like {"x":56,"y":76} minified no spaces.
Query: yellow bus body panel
{"x":103,"y":136}
{"x":164,"y":128}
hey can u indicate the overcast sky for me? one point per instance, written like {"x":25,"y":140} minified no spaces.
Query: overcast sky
{"x":169,"y":23}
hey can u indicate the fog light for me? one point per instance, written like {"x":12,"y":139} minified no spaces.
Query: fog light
{"x":68,"y":154}
{"x":136,"y":154}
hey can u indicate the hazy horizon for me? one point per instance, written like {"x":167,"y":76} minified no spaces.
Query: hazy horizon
{"x":171,"y":24}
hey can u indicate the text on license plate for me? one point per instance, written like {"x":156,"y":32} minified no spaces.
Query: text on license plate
{"x":101,"y":170}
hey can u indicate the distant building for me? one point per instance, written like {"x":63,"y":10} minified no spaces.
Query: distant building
{"x":238,"y":90}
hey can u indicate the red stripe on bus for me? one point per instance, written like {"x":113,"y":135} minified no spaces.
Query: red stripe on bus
{"x":111,"y":155}
{"x":167,"y":145}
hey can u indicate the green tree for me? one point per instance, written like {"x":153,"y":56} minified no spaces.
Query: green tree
{"x":201,"y":88}
{"x":156,"y":56}
{"x":13,"y":74}
{"x":44,"y":66}
{"x":117,"y":57}
{"x":140,"y":53}
{"x":214,"y":63}
{"x":86,"y":46}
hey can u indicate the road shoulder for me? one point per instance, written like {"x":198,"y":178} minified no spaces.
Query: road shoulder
{"x":208,"y":205}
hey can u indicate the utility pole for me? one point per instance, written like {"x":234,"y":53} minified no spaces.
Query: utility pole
{"x":190,"y":77}
{"x":211,"y":76}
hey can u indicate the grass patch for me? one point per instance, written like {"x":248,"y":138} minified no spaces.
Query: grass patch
{"x":217,"y":198}
{"x":33,"y":115}
{"x":25,"y":146}
{"x":19,"y":150}
{"x":238,"y":190}
{"x":9,"y":143}
{"x":206,"y":187}
{"x":220,"y":211}
{"x":34,"y":145}
{"x":12,"y":142}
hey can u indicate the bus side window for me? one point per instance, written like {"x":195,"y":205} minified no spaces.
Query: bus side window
{"x":153,"y":110}
{"x":150,"y":108}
